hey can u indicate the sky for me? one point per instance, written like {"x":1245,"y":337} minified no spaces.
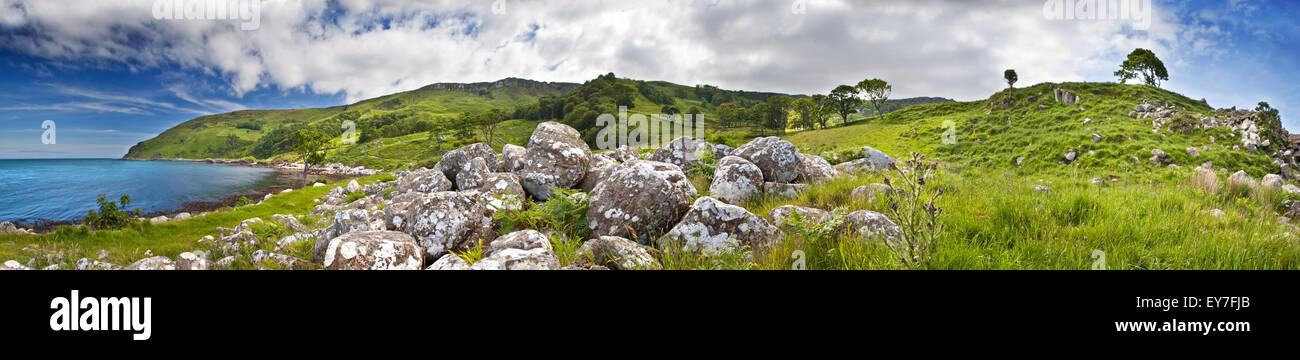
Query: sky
{"x":110,"y":74}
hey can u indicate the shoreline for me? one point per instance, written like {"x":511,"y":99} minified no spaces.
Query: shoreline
{"x":290,"y":175}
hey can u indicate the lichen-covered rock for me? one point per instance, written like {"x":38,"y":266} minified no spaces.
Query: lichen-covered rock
{"x":783,"y":190}
{"x":13,"y":265}
{"x":641,"y":199}
{"x":423,"y":181}
{"x":453,"y":161}
{"x":345,"y":221}
{"x":448,"y":221}
{"x":816,"y":169}
{"x":472,"y":174}
{"x":1272,"y":181}
{"x":501,"y":191}
{"x":1241,"y":178}
{"x":874,"y":226}
{"x":872,"y":160}
{"x":449,"y":262}
{"x":512,"y":158}
{"x":158,"y":220}
{"x":683,"y":152}
{"x":153,"y":263}
{"x":778,"y":159}
{"x":282,"y":260}
{"x":713,"y":227}
{"x":620,"y":254}
{"x":522,"y":240}
{"x":736,"y":180}
{"x":624,"y":154}
{"x":780,"y":215}
{"x":556,"y":157}
{"x":518,"y":259}
{"x":91,"y":264}
{"x":8,"y":228}
{"x":290,"y":222}
{"x":191,"y":261}
{"x":599,"y":164}
{"x":290,"y":240}
{"x":374,"y":250}
{"x":353,"y":186}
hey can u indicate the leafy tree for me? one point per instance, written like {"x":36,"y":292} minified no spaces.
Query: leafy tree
{"x":844,"y":101}
{"x":810,"y":113}
{"x":111,"y":215}
{"x":1144,"y":63}
{"x":731,"y":115}
{"x":488,"y":123}
{"x":823,"y":112}
{"x":1011,"y":77}
{"x":310,"y":146}
{"x":878,"y":92}
{"x":779,"y":108}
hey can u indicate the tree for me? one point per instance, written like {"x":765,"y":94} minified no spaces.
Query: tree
{"x":779,"y":106}
{"x":730,"y":115}
{"x":1011,"y":77}
{"x":310,"y":146}
{"x":1144,"y":63}
{"x":488,"y":123}
{"x":823,"y":116}
{"x":878,"y":91}
{"x":844,"y":101}
{"x":810,"y":113}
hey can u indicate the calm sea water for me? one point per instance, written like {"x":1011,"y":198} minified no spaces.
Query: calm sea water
{"x":59,"y":190}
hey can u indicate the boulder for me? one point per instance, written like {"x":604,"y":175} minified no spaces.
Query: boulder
{"x":13,"y":265}
{"x":736,"y":180}
{"x":777,"y":158}
{"x":352,"y":187}
{"x":423,"y":181}
{"x":449,"y":262}
{"x":512,"y":158}
{"x":345,"y":221}
{"x":153,"y":263}
{"x":191,"y":261}
{"x":713,"y":227}
{"x":620,"y":254}
{"x":1193,"y":152}
{"x":623,"y":154}
{"x":374,"y":250}
{"x":518,"y":259}
{"x":1291,"y":189}
{"x":90,"y":264}
{"x":872,"y":160}
{"x":683,"y":152}
{"x":448,"y":221}
{"x":1065,"y":97}
{"x":596,"y":170}
{"x":640,"y":199}
{"x":870,"y":191}
{"x":181,"y":216}
{"x":158,"y":220}
{"x":874,"y":226}
{"x":283,"y":261}
{"x":1272,"y":181}
{"x":501,"y":191}
{"x":472,"y":174}
{"x":8,"y":228}
{"x":780,"y":215}
{"x":783,"y":190}
{"x":816,"y":169}
{"x":522,"y":240}
{"x":290,"y":222}
{"x":453,"y":161}
{"x":287,"y":241}
{"x":1241,"y":178}
{"x":556,"y":157}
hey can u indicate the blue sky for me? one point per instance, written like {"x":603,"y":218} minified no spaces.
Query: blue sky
{"x":110,"y":74}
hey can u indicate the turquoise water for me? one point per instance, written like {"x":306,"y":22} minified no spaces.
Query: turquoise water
{"x":60,"y":190}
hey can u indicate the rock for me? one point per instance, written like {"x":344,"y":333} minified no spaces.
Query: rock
{"x":872,"y":160}
{"x":345,"y":221}
{"x":287,"y":241}
{"x":1087,"y":121}
{"x":1216,"y":213}
{"x":1158,"y":157}
{"x":518,"y":259}
{"x":453,"y":161}
{"x":88,"y":264}
{"x":423,"y":181}
{"x":247,"y":225}
{"x":620,"y":254}
{"x":501,"y":191}
{"x":512,"y":158}
{"x":472,"y":174}
{"x":290,"y":222}
{"x":777,"y":158}
{"x":713,"y":227}
{"x":784,"y":190}
{"x":641,"y":199}
{"x":683,"y":152}
{"x":522,"y":240}
{"x":1291,"y":209}
{"x":284,"y":261}
{"x":869,"y":192}
{"x":1241,"y":178}
{"x":353,"y":187}
{"x":224,"y":263}
{"x":153,"y":263}
{"x":1070,"y":156}
{"x":1096,"y":181}
{"x":1042,"y":189}
{"x":191,"y":261}
{"x":1273,"y":181}
{"x":736,"y":180}
{"x":8,"y":228}
{"x":158,"y":220}
{"x":816,"y":170}
{"x":780,"y":215}
{"x":448,"y":221}
{"x":624,"y":154}
{"x":449,"y":262}
{"x":596,"y":171}
{"x":556,"y":157}
{"x":1291,"y":189}
{"x":181,"y":216}
{"x":103,"y":254}
{"x":1020,"y":160}
{"x":13,"y":265}
{"x":1065,"y":97}
{"x":874,"y":226}
{"x":1191,"y":151}
{"x":374,"y":250}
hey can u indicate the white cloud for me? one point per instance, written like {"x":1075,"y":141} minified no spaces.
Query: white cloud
{"x":927,"y":48}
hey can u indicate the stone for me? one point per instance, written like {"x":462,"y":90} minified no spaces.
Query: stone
{"x":89,"y":264}
{"x":872,"y":160}
{"x":596,"y":171}
{"x":1216,"y":213}
{"x":556,"y":157}
{"x":816,"y":170}
{"x":736,"y":180}
{"x":512,"y":158}
{"x":453,"y":161}
{"x":1070,"y":156}
{"x":713,"y":227}
{"x":783,"y":190}
{"x":1193,"y":152}
{"x":374,"y":250}
{"x":1065,"y":97}
{"x":501,"y":191}
{"x":683,"y":151}
{"x":288,"y":241}
{"x":13,"y":265}
{"x":1241,"y":178}
{"x":1042,"y":189}
{"x":158,"y":220}
{"x":423,"y":181}
{"x":620,"y":254}
{"x":472,"y":174}
{"x":181,"y":216}
{"x":224,"y":263}
{"x":448,"y":221}
{"x":191,"y":261}
{"x":812,"y":216}
{"x":624,"y":154}
{"x":1291,"y":189}
{"x":874,"y":226}
{"x":290,"y":222}
{"x":777,"y":158}
{"x":870,"y":191}
{"x":1272,"y":181}
{"x":1158,"y":157}
{"x":283,"y":261}
{"x":352,"y":187}
{"x":518,"y":259}
{"x":449,"y":262}
{"x":153,"y":263}
{"x":522,"y":240}
{"x":640,"y":200}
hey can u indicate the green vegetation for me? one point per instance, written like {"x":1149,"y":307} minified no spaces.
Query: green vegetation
{"x":111,"y":215}
{"x":1143,"y":63}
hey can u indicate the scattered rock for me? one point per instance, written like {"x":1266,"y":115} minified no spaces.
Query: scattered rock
{"x":624,"y":154}
{"x":284,"y":261}
{"x":423,"y":181}
{"x":784,"y":190}
{"x":522,"y":240}
{"x":374,"y":250}
{"x":812,"y":216}
{"x":88,"y":264}
{"x":13,"y":265}
{"x":683,"y":152}
{"x":874,"y":226}
{"x":736,"y":180}
{"x":453,"y":161}
{"x":1216,"y":213}
{"x":181,"y":216}
{"x":714,"y":227}
{"x":512,"y":158}
{"x":1065,"y":97}
{"x":518,"y":259}
{"x":449,"y":262}
{"x":640,"y":199}
{"x":1272,"y":181}
{"x":352,"y":187}
{"x":1042,"y":189}
{"x":1241,"y":178}
{"x":777,"y":158}
{"x":158,"y":220}
{"x":153,"y":263}
{"x":449,"y":221}
{"x":1191,"y":151}
{"x":556,"y":157}
{"x":191,"y":261}
{"x":872,"y":160}
{"x":1158,"y":157}
{"x":472,"y":174}
{"x":816,"y":170}
{"x":620,"y":254}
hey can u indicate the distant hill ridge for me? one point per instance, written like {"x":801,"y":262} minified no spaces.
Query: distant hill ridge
{"x":507,"y":82}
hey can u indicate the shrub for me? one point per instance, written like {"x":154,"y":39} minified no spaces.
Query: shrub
{"x":564,"y":213}
{"x":111,"y":215}
{"x":243,"y":201}
{"x":704,"y":169}
{"x":915,"y":211}
{"x":473,"y":254}
{"x":386,"y":178}
{"x":354,"y":196}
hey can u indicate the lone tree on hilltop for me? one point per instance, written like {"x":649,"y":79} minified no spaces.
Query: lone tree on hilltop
{"x":1144,"y":63}
{"x":1011,"y":77}
{"x":878,"y":92}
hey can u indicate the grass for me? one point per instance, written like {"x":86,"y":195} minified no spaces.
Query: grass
{"x":171,"y":238}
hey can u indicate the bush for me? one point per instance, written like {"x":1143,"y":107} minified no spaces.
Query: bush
{"x":354,"y":196}
{"x":564,"y":213}
{"x":915,"y":211}
{"x":110,"y":214}
{"x":243,"y":201}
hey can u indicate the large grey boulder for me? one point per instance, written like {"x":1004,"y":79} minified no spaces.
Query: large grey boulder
{"x":423,"y":181}
{"x":374,"y":250}
{"x":192,"y":261}
{"x":501,"y":191}
{"x":1272,"y":181}
{"x":281,"y":260}
{"x":713,"y":227}
{"x":519,"y":259}
{"x":153,"y":263}
{"x":777,"y":158}
{"x":91,"y":264}
{"x":640,"y":199}
{"x":345,"y":221}
{"x":596,"y":170}
{"x":781,"y":215}
{"x":816,"y":169}
{"x":872,"y":160}
{"x":453,"y":161}
{"x":290,"y":222}
{"x":683,"y":152}
{"x":472,"y":174}
{"x":522,"y":240}
{"x":449,"y":262}
{"x":874,"y":226}
{"x":512,"y":158}
{"x":448,"y":221}
{"x":736,"y":180}
{"x":556,"y":157}
{"x":620,"y":254}
{"x":623,"y":154}
{"x":1065,"y":97}
{"x":1241,"y":178}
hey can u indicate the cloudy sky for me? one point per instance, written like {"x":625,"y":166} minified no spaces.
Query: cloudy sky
{"x":112,"y":73}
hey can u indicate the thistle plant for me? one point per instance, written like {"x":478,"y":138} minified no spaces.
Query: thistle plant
{"x":912,"y":205}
